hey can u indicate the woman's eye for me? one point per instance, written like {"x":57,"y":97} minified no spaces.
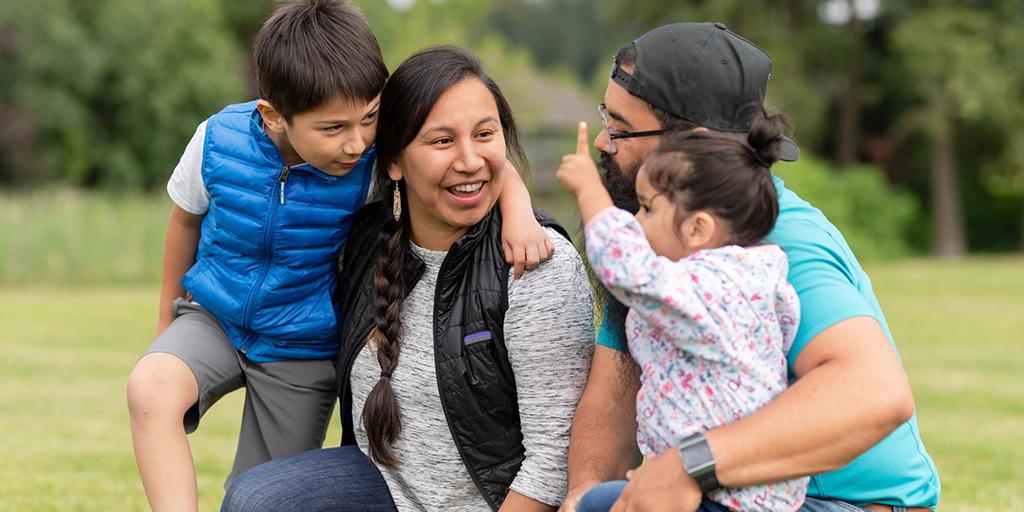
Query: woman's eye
{"x":485,"y":134}
{"x":442,"y":141}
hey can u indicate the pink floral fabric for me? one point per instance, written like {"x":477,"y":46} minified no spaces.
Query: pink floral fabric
{"x":710,"y":333}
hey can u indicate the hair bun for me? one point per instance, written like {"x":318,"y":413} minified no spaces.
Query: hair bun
{"x":765,"y":137}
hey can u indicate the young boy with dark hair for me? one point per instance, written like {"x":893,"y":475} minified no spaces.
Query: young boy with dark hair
{"x":263,"y":200}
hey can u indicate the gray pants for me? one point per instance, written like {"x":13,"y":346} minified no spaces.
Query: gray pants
{"x":287,"y":403}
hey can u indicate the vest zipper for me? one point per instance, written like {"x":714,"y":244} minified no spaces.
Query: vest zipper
{"x":284,"y":178}
{"x":440,"y":392}
{"x":268,"y":238}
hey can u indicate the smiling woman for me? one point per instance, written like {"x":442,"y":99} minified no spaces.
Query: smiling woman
{"x":458,"y":382}
{"x":453,"y":168}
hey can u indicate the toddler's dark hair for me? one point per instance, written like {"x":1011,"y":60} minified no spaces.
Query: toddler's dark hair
{"x":724,"y":174}
{"x":310,"y":51}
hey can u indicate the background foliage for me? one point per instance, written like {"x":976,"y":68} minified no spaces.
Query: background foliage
{"x":926,"y":94}
{"x":908,"y":113}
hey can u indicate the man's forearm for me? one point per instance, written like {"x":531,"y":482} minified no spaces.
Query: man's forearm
{"x":603,"y":446}
{"x":603,"y":443}
{"x":834,"y":412}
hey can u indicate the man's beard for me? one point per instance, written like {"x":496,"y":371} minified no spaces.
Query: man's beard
{"x":622,"y":187}
{"x":620,"y":183}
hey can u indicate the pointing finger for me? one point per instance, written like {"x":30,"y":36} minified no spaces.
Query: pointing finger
{"x":582,"y":141}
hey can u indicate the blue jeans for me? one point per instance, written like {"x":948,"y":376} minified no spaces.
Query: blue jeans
{"x":332,"y":479}
{"x":602,"y":497}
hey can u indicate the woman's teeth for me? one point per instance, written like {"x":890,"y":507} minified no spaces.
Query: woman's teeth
{"x":468,"y":188}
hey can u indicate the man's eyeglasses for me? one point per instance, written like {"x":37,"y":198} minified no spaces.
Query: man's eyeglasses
{"x":616,"y":134}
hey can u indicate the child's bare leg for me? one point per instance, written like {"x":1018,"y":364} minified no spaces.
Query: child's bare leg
{"x":161,"y":389}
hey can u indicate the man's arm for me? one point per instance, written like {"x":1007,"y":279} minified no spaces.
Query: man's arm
{"x":603,"y":443}
{"x":180,"y":245}
{"x":851,"y":392}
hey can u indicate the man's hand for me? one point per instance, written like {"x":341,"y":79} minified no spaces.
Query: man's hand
{"x":660,"y":484}
{"x":573,"y":498}
{"x":579,"y":174}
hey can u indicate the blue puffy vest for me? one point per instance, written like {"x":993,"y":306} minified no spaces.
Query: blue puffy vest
{"x":266,"y":262}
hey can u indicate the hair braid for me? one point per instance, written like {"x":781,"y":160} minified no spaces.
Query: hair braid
{"x":381,"y":418}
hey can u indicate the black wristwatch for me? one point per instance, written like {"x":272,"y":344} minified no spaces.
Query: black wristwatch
{"x":699,"y":462}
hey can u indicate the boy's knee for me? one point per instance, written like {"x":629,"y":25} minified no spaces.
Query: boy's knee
{"x":160,"y":382}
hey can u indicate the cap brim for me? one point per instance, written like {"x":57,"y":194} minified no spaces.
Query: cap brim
{"x":788,"y":150}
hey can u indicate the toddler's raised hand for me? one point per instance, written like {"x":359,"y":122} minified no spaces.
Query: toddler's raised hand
{"x":579,"y":174}
{"x":577,"y":171}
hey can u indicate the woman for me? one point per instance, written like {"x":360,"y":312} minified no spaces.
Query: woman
{"x":457,"y":382}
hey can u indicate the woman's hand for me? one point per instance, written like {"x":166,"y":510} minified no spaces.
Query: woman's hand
{"x":579,"y":174}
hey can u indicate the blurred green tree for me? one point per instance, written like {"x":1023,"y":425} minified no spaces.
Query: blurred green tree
{"x":974,"y":75}
{"x":106,"y":93}
{"x":546,"y":107}
{"x":112,"y":89}
{"x":898,"y":83}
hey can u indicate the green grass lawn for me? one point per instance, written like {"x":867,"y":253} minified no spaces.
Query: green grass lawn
{"x":65,"y":354}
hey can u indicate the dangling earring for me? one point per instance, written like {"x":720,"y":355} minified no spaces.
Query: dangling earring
{"x":396,"y":206}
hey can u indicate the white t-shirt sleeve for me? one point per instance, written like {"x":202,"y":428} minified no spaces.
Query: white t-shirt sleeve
{"x":186,"y":186}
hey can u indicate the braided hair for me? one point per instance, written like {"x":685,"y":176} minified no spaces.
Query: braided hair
{"x":406,"y":102}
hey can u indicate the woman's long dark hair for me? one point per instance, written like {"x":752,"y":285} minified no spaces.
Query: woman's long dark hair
{"x":407,"y":99}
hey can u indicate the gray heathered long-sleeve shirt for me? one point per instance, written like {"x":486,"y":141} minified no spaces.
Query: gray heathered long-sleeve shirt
{"x":549,"y":334}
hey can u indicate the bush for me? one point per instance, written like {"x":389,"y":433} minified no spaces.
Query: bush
{"x":83,"y":238}
{"x":875,"y":218}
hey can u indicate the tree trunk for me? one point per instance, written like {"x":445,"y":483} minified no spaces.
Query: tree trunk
{"x":948,"y":238}
{"x":847,"y":145}
{"x":849,"y":118}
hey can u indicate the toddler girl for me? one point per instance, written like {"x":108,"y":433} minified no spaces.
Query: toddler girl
{"x":711,"y":313}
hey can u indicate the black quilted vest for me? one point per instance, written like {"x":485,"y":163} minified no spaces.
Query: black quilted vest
{"x":475,"y":380}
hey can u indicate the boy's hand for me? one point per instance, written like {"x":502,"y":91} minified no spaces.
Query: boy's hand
{"x":526,"y":243}
{"x":579,"y":174}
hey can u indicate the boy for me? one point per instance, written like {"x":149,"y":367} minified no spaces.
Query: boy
{"x":263,"y":199}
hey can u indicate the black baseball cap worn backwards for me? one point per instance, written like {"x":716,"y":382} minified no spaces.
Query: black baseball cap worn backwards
{"x":702,"y":73}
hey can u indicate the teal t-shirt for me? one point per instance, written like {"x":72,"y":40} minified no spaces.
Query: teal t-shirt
{"x":833,"y":287}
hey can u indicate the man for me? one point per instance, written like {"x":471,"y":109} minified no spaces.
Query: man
{"x":848,"y":416}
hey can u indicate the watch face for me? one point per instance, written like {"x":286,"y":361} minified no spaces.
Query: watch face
{"x":699,"y":462}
